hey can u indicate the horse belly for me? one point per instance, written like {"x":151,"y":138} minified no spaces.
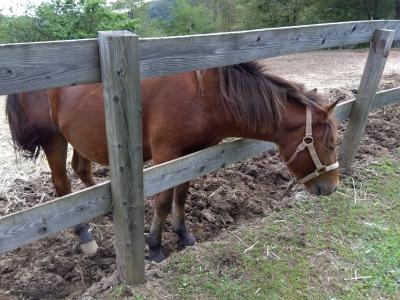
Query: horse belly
{"x":81,"y":120}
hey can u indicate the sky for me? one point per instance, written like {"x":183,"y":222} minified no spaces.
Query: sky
{"x":18,"y":7}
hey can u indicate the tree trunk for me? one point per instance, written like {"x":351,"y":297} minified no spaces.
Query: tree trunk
{"x":396,"y":44}
{"x":367,"y":10}
{"x":397,"y":10}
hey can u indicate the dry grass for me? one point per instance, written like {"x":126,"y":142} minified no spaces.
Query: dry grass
{"x":18,"y":173}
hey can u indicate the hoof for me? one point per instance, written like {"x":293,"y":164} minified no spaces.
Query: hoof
{"x":89,"y":248}
{"x":188,"y":240}
{"x":156,"y":255}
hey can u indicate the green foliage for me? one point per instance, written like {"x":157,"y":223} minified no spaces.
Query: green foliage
{"x":69,"y":19}
{"x":190,"y":19}
{"x":344,"y":10}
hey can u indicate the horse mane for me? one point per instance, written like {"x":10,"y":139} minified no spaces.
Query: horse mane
{"x":257,"y":99}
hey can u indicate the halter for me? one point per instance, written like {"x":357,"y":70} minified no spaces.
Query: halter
{"x":308,"y":142}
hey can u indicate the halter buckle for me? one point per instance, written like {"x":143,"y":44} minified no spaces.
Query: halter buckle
{"x":321,"y":170}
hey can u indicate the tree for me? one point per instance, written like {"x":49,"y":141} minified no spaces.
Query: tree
{"x":146,"y":26}
{"x":224,"y":12}
{"x":190,"y":19}
{"x":129,"y":6}
{"x":344,"y":10}
{"x":68,"y":19}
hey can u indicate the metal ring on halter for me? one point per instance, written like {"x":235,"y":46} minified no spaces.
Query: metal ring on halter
{"x":308,"y":137}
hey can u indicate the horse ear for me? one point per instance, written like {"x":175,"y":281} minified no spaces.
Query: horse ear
{"x":331,"y":108}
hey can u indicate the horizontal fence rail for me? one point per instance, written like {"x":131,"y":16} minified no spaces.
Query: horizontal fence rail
{"x":46,"y":219}
{"x":43,"y":65}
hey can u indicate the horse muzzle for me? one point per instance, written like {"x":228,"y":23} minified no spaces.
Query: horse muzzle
{"x":321,"y":188}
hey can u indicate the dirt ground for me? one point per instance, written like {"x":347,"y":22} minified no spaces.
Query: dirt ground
{"x":52,"y":269}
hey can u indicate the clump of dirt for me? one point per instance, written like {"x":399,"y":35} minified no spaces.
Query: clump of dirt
{"x":51,"y":268}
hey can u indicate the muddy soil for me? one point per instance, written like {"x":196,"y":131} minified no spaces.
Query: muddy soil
{"x":52,"y":268}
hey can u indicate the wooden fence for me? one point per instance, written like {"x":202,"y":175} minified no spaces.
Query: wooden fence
{"x":122,"y":59}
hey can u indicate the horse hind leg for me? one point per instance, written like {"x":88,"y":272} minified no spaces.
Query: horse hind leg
{"x":179,"y":226}
{"x":56,"y":153}
{"x":83,"y":169}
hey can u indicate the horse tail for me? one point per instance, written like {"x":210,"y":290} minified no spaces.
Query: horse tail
{"x":25,"y":136}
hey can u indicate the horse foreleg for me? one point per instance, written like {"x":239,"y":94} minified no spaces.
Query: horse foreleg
{"x":179,"y":226}
{"x":56,"y":153}
{"x":163,"y":204}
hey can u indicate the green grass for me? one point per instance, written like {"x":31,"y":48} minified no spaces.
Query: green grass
{"x":346,"y":246}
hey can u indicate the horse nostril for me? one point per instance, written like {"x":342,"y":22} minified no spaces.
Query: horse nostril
{"x":335,"y":189}
{"x":318,"y":191}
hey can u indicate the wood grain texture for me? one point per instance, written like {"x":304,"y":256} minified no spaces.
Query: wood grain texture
{"x":380,"y":47}
{"x":33,"y":66}
{"x":387,"y":97}
{"x":172,"y":173}
{"x":25,"y":67}
{"x":119,"y":57}
{"x":162,"y":56}
{"x":48,"y":218}
{"x":27,"y":226}
{"x":382,"y":98}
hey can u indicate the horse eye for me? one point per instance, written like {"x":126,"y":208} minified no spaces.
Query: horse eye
{"x":331,"y":147}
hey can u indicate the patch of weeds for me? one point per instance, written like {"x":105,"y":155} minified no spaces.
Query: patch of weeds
{"x":119,"y":292}
{"x":345,"y":246}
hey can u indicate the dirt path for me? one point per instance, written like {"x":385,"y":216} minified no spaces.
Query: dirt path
{"x":327,"y":70}
{"x":49,"y":269}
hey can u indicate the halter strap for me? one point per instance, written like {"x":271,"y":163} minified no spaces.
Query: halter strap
{"x":308,"y":142}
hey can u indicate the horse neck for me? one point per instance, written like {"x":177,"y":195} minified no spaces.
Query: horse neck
{"x":294,"y":116}
{"x":240,"y":130}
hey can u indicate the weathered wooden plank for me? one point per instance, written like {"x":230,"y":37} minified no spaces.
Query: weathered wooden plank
{"x":343,"y":110}
{"x":48,"y":218}
{"x":387,"y":97}
{"x":172,"y":173}
{"x":119,"y":57}
{"x":25,"y":67}
{"x":383,"y":98}
{"x":380,"y":47}
{"x":26,"y":226}
{"x":180,"y":54}
{"x":33,"y":66}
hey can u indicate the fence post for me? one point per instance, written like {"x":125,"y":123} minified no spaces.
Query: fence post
{"x":119,"y":60}
{"x":380,"y":46}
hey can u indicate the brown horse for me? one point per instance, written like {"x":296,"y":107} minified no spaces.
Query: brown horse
{"x":185,"y":113}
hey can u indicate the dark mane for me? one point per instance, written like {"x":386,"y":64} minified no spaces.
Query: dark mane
{"x":257,"y":99}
